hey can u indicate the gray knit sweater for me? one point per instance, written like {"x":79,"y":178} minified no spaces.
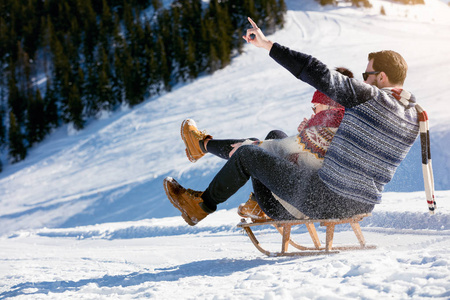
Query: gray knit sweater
{"x":374,"y":137}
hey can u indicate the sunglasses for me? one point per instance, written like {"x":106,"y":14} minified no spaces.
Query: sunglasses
{"x":366,"y":74}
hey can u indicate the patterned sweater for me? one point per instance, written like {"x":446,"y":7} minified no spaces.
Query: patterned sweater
{"x":306,"y":149}
{"x":374,"y":137}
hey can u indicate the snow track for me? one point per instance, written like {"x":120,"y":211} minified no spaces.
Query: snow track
{"x":160,"y":258}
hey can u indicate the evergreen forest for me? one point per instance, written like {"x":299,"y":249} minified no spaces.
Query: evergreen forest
{"x":66,"y":61}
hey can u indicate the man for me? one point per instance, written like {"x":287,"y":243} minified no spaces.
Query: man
{"x":379,"y":127}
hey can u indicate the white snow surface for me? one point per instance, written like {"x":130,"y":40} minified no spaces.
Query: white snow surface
{"x":85,"y":215}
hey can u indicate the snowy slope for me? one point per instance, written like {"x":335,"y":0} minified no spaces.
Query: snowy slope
{"x":166,"y":259}
{"x":85,"y":215}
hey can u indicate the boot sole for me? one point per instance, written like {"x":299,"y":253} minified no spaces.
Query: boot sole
{"x":254,"y":218}
{"x":174,"y":202}
{"x":183,"y":137}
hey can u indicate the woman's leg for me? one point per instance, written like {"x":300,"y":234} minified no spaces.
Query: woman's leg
{"x":222,"y":148}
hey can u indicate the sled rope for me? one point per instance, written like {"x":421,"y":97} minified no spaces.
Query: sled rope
{"x":427,"y":169}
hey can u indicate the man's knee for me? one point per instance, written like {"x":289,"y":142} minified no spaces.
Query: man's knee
{"x":246,"y":149}
{"x":276,"y":134}
{"x":246,"y":154}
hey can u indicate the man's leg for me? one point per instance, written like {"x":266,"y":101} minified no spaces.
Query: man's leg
{"x":276,"y":135}
{"x":263,"y":195}
{"x":267,"y":202}
{"x":279,"y":175}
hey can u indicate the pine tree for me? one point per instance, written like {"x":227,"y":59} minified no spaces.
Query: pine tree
{"x":177,"y":43}
{"x":31,"y":28}
{"x":93,"y":102}
{"x":36,"y":123}
{"x":90,"y":30}
{"x":3,"y":38}
{"x":191,"y":58}
{"x":191,"y":24}
{"x":150,"y":70}
{"x":51,"y":107}
{"x":249,"y":8}
{"x":105,"y":92}
{"x":164,"y":64}
{"x":17,"y":149}
{"x":15,"y":100}
{"x":281,"y":10}
{"x":164,"y":48}
{"x":128,"y":19}
{"x":75,"y":108}
{"x":74,"y":40}
{"x":214,"y":59}
{"x":154,"y":79}
{"x":119,"y":68}
{"x":47,"y":31}
{"x":156,"y":4}
{"x":220,"y":35}
{"x":107,"y":25}
{"x":2,"y":128}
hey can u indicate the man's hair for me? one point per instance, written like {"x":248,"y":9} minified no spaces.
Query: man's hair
{"x":391,"y":63}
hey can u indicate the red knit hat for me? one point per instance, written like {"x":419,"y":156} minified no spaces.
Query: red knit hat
{"x":321,"y":98}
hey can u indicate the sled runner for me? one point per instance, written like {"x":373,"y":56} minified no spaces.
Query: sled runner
{"x":284,"y":227}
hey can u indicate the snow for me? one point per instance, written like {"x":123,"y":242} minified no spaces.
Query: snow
{"x":85,"y":215}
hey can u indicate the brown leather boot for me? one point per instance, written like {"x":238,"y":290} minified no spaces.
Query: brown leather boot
{"x":191,"y":137}
{"x":187,"y":201}
{"x":251,"y":209}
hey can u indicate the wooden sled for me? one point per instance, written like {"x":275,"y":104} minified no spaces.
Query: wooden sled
{"x":284,"y":227}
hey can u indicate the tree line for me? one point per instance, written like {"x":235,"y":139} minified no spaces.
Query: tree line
{"x":65,"y":61}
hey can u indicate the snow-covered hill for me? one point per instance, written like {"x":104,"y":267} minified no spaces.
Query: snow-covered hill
{"x":85,"y":215}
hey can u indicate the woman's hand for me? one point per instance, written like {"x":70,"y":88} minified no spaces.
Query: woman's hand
{"x":235,"y":147}
{"x":256,"y":37}
{"x":302,"y":125}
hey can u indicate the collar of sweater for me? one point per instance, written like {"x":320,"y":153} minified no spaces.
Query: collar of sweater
{"x":404,"y":97}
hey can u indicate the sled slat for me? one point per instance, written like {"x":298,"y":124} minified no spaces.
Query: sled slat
{"x":329,"y":236}
{"x":313,"y":233}
{"x":286,"y":238}
{"x":358,"y":233}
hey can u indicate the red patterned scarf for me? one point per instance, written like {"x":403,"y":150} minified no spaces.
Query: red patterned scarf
{"x":319,"y":141}
{"x":327,"y":118}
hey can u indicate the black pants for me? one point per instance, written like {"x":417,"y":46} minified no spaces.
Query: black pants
{"x":222,"y":148}
{"x":300,"y":187}
{"x":263,"y":195}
